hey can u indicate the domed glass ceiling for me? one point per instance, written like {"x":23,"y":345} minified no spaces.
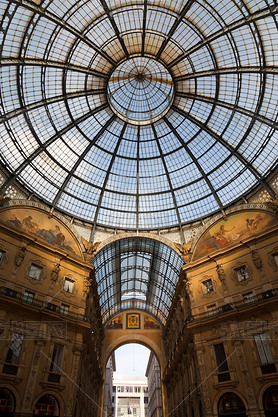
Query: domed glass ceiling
{"x":138,"y":114}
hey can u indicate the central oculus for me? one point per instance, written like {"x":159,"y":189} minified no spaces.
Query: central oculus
{"x":140,"y":90}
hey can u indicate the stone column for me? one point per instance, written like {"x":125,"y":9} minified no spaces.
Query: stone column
{"x":204,"y":386}
{"x":73,"y":377}
{"x":250,"y":393}
{"x":32,"y":379}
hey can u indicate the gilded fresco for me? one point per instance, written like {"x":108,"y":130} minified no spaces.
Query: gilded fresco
{"x":116,"y":323}
{"x":133,"y":321}
{"x":150,"y":323}
{"x":38,"y":224}
{"x":237,"y":226}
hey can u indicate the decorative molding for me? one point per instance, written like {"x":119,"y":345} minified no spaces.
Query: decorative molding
{"x":271,"y":259}
{"x":36,"y":262}
{"x":234,"y":276}
{"x":74,"y":289}
{"x":19,"y":257}
{"x":5,"y":256}
{"x":257,"y":259}
{"x":201,"y":288}
{"x":151,"y":236}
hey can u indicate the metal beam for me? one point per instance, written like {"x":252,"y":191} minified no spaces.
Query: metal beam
{"x":144,"y":26}
{"x":137,"y":177}
{"x":230,"y":148}
{"x":262,"y":14}
{"x":44,"y":146}
{"x":169,"y":182}
{"x":115,"y":27}
{"x":51,"y":100}
{"x":194,"y":159}
{"x":246,"y":112}
{"x":30,"y":5}
{"x":174,"y":27}
{"x":228,"y":70}
{"x":81,"y":158}
{"x":105,"y":181}
{"x":36,"y":62}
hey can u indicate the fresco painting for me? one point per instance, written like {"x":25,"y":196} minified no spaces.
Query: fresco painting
{"x":237,"y":226}
{"x":150,"y":323}
{"x":116,"y":323}
{"x":41,"y":226}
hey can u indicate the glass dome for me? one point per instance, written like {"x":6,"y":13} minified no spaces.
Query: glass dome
{"x":138,"y":114}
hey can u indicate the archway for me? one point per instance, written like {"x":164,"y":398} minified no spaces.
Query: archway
{"x":136,"y":273}
{"x":231,"y":405}
{"x":47,"y":405}
{"x":7,"y":402}
{"x":270,"y":401}
{"x":136,"y":385}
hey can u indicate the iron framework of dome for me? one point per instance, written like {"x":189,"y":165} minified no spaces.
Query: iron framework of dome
{"x":138,"y":114}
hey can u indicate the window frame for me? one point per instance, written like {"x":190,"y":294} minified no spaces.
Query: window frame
{"x":207,"y":289}
{"x":35,"y":267}
{"x":26,"y":295}
{"x":72,"y":288}
{"x":263,"y":348}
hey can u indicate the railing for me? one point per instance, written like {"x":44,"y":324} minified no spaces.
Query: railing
{"x":40,"y":304}
{"x":237,"y":305}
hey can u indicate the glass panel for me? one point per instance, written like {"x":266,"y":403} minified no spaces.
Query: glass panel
{"x":221,"y":357}
{"x":57,"y":358}
{"x":35,"y":271}
{"x":242,"y":273}
{"x":28,"y":297}
{"x":263,"y":348}
{"x":15,"y":348}
{"x":68,"y":285}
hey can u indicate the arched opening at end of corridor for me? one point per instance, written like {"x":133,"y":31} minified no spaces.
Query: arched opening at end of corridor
{"x":132,"y":383}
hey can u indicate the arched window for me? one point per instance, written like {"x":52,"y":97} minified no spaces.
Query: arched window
{"x":270,"y":401}
{"x":7,"y":402}
{"x":231,"y":405}
{"x":47,"y":406}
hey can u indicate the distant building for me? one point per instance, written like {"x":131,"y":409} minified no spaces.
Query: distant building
{"x":108,"y":408}
{"x":154,"y":385}
{"x":130,"y":396}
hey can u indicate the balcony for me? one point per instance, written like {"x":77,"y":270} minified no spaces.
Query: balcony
{"x":41,"y":305}
{"x":256,"y":299}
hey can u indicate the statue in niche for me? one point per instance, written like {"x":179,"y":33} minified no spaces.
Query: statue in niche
{"x":185,"y":250}
{"x":257,"y":260}
{"x":179,"y":316}
{"x":19,"y":257}
{"x":90,"y":248}
{"x":186,"y":293}
{"x":221,"y":275}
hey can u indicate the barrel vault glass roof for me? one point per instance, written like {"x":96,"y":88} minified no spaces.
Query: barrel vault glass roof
{"x":138,"y":114}
{"x":136,"y":273}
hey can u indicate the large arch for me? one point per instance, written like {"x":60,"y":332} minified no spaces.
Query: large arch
{"x":156,"y":237}
{"x":138,"y":273}
{"x":110,"y":345}
{"x":115,"y":342}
